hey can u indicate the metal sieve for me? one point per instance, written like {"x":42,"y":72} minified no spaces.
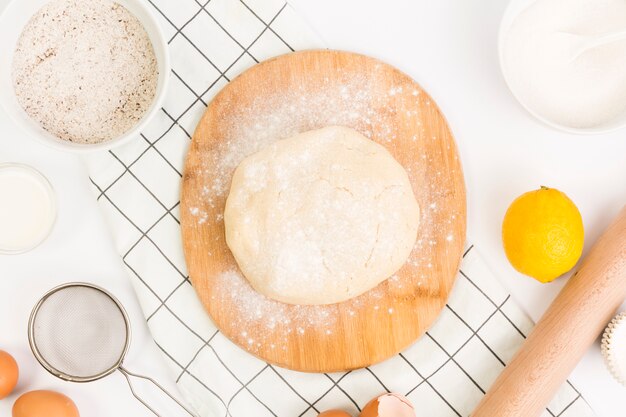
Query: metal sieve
{"x":80,"y":333}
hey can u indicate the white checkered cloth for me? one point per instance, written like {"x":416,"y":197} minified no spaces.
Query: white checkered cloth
{"x":444,"y":374}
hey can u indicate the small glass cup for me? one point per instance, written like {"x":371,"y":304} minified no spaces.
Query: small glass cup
{"x":43,"y":181}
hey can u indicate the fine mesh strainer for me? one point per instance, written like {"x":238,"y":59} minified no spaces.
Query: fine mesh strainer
{"x":80,"y":333}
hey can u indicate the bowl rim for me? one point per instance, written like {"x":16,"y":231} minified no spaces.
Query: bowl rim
{"x":164,"y":66}
{"x":506,"y":20}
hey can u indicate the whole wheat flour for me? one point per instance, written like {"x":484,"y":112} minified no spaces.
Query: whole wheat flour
{"x":85,"y":70}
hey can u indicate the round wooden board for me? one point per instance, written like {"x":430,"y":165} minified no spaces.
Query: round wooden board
{"x":279,"y":98}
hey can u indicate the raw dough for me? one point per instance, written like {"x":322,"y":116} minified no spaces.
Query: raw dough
{"x":321,"y":217}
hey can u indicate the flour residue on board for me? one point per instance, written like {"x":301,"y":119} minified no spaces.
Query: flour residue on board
{"x":281,"y":115}
{"x":256,"y":310}
{"x":275,"y":322}
{"x":357,"y":102}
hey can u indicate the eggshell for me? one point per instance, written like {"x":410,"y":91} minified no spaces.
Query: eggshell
{"x":9,"y":373}
{"x":44,"y":404}
{"x":389,"y":405}
{"x":334,"y":413}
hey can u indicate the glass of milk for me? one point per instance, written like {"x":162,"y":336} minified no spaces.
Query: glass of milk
{"x":27,"y":208}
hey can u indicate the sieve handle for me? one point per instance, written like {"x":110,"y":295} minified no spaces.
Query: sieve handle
{"x":127,"y":374}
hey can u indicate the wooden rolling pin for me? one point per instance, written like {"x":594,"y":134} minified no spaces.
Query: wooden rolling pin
{"x":567,"y":329}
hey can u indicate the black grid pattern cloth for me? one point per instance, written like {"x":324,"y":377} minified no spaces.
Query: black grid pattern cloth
{"x":445,"y":373}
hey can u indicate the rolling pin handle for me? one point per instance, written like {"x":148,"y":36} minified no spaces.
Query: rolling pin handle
{"x":568,"y":328}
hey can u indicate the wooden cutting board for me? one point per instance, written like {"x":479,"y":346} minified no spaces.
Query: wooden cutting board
{"x":279,"y":98}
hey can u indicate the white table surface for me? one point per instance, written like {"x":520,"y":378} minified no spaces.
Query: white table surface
{"x":449,"y":46}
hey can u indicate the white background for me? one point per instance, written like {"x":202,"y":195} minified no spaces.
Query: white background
{"x":450,"y":47}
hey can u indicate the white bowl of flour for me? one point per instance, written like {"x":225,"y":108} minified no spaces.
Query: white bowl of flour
{"x":96,"y":98}
{"x":541,"y":60}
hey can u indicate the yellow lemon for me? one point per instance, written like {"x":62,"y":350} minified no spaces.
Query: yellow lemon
{"x":543,"y":234}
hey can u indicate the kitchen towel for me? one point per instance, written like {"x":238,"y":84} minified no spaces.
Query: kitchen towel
{"x":445,"y":373}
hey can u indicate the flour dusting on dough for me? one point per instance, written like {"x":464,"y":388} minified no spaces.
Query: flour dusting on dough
{"x":356,"y":102}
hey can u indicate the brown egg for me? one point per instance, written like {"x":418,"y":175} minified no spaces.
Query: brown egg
{"x":9,"y":374}
{"x":44,"y":404}
{"x":389,"y":405}
{"x":334,"y":413}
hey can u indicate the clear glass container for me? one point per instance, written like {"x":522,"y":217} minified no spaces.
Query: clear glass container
{"x":49,"y":213}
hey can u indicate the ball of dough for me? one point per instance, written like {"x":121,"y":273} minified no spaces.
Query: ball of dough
{"x":321,"y":217}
